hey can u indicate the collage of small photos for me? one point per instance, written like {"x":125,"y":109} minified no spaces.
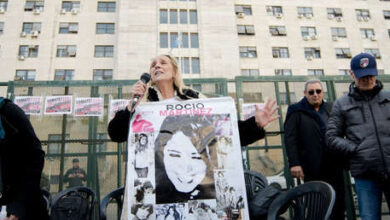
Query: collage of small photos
{"x":186,"y":169}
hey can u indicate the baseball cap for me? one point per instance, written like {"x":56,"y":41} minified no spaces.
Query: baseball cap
{"x":75,"y":160}
{"x":364,"y":64}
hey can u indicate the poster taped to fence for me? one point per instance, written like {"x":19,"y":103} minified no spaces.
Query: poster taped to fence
{"x":185,"y":162}
{"x":58,"y":105}
{"x":115,"y":106}
{"x":31,"y":105}
{"x":88,"y":107}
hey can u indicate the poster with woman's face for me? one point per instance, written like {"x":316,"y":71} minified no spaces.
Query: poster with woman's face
{"x":183,"y":157}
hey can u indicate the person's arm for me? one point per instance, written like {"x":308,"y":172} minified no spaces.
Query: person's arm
{"x":118,"y":128}
{"x":335,"y":132}
{"x":291,"y":136}
{"x":84,"y":175}
{"x":66,"y":176}
{"x":249,"y":131}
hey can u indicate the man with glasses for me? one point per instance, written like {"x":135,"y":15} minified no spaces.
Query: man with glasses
{"x":305,"y":127}
{"x":359,"y":129}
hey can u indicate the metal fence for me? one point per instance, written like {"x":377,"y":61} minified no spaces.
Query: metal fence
{"x":66,"y":137}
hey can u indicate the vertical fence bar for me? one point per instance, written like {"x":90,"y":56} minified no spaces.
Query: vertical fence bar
{"x":63,"y":138}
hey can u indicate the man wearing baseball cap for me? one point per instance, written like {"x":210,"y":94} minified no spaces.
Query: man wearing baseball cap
{"x":359,"y":128}
{"x":75,"y":175}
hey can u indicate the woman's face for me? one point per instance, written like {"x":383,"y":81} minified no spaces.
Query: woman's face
{"x":183,"y":164}
{"x":161,"y":70}
{"x":171,"y":211}
{"x":142,"y":213}
{"x":143,"y":140}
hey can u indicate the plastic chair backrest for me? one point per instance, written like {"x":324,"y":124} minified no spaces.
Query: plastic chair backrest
{"x":83,"y":191}
{"x":309,"y":201}
{"x":116,"y":195}
{"x":254,"y":181}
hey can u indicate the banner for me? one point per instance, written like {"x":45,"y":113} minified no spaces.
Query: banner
{"x":248,"y":110}
{"x":31,"y":105}
{"x":88,"y":107}
{"x":58,"y":105}
{"x":185,"y":162}
{"x":115,"y":106}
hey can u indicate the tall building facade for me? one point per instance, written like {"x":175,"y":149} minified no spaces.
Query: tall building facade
{"x":116,"y":39}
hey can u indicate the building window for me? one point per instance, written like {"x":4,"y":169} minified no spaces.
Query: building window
{"x":55,"y":148}
{"x":1,"y":27}
{"x":29,"y":27}
{"x":388,"y":32}
{"x":308,"y":32}
{"x":194,"y":40}
{"x":66,"y":50}
{"x":34,"y":6}
{"x":173,"y":16}
{"x":106,"y":7}
{"x":193,"y":17}
{"x":283,"y":72}
{"x":189,"y":65}
{"x":342,"y":53}
{"x":28,"y":50}
{"x":250,"y":72}
{"x":102,"y":74}
{"x":195,"y":65}
{"x":334,"y":13}
{"x":305,"y":11}
{"x":243,"y":9}
{"x":367,"y":33}
{"x":184,"y":40}
{"x":280,"y":52}
{"x":163,"y":16}
{"x":175,"y":42}
{"x":246,"y":29}
{"x":312,"y":52}
{"x":344,"y":72}
{"x":373,"y":51}
{"x":25,"y":75}
{"x":283,"y":97}
{"x":3,"y":5}
{"x":249,"y":52}
{"x":183,"y":16}
{"x":386,"y":15}
{"x":362,"y":14}
{"x":105,"y":28}
{"x":381,"y":71}
{"x":163,"y":40}
{"x":64,"y":75}
{"x":69,"y":5}
{"x":104,"y":51}
{"x":69,"y":28}
{"x":315,"y":72}
{"x":274,"y":11}
{"x":339,"y":32}
{"x":278,"y":30}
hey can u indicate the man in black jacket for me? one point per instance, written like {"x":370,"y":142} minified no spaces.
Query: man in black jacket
{"x":75,"y":175}
{"x":359,"y":128}
{"x":305,"y":128}
{"x":22,"y":162}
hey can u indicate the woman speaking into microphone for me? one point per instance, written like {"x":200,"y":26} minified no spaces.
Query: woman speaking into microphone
{"x":166,"y":84}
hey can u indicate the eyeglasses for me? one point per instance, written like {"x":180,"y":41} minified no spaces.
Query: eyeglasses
{"x":318,"y":91}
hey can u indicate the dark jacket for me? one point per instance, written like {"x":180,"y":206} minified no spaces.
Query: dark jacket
{"x":22,"y":163}
{"x":364,"y":120}
{"x":75,"y":181}
{"x":118,"y":128}
{"x":305,"y":138}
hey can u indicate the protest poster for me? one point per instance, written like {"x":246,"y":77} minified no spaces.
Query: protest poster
{"x":115,"y":106}
{"x":58,"y":105}
{"x":248,"y":110}
{"x":31,"y":105}
{"x":88,"y":107}
{"x":185,"y":162}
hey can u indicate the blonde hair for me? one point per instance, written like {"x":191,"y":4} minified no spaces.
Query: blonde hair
{"x":177,"y":78}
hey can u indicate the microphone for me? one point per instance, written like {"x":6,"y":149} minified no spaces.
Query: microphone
{"x":145,"y":78}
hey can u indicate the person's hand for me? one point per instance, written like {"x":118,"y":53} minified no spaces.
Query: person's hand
{"x":13,"y":217}
{"x":264,"y":117}
{"x":297,"y":172}
{"x":71,"y":175}
{"x":139,"y":88}
{"x":80,"y":175}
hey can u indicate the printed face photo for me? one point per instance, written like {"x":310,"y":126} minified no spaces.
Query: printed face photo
{"x":184,"y":165}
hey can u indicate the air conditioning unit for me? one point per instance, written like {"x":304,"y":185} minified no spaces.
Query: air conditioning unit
{"x":34,"y":33}
{"x":72,"y":53}
{"x":335,"y":38}
{"x":31,"y":46}
{"x":366,"y":18}
{"x":339,"y":19}
{"x":309,"y":58}
{"x":23,"y":34}
{"x":279,"y":15}
{"x":373,"y":38}
{"x":2,"y":10}
{"x":306,"y":37}
{"x":348,"y":55}
{"x":300,"y":15}
{"x":63,"y":11}
{"x":330,"y":16}
{"x":240,"y":14}
{"x":75,"y":11}
{"x":360,"y":18}
{"x":21,"y":57}
{"x":309,"y":16}
{"x":314,"y":37}
{"x":37,"y":11}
